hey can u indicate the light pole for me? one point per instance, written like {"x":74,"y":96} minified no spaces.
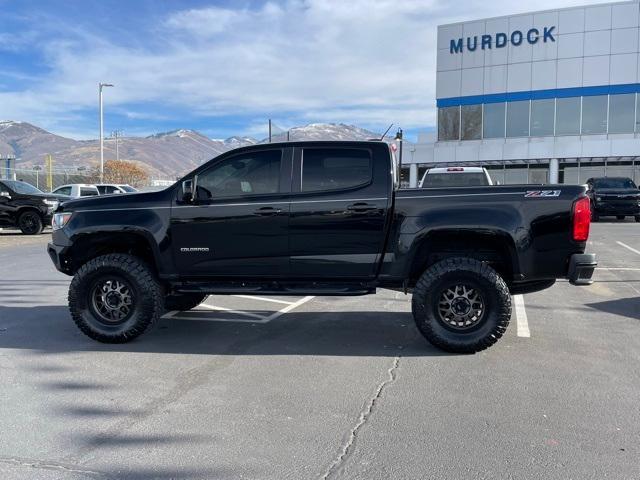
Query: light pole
{"x":100,"y":87}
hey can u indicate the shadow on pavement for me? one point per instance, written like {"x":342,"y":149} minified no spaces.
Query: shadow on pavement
{"x":626,"y":307}
{"x":49,"y":329}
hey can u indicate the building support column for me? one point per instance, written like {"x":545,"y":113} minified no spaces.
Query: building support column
{"x":554,"y":170}
{"x":413,"y":175}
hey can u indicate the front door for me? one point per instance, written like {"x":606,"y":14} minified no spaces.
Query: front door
{"x":339,"y":206}
{"x":6,"y":209}
{"x":237,"y":224}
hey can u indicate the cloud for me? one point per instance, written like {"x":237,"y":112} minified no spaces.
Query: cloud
{"x":363,"y":62}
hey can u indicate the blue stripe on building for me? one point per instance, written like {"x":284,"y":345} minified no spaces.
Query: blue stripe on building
{"x":539,"y":94}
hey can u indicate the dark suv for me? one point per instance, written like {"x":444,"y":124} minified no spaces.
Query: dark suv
{"x":614,"y":196}
{"x":24,"y":206}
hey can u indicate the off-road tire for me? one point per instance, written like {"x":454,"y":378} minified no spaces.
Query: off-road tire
{"x":594,"y":216}
{"x":620,"y":217}
{"x":638,"y":218}
{"x":495,"y":293}
{"x":183,"y":302}
{"x":147,"y":297}
{"x":30,"y":223}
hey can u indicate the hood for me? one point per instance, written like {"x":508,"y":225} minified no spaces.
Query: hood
{"x":47,"y":196}
{"x":130,"y":200}
{"x":616,"y":191}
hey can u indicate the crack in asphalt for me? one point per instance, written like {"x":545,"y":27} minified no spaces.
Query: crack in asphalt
{"x":48,"y":465}
{"x":347,"y":448}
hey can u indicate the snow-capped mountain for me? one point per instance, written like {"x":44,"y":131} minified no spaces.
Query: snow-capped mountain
{"x":167,"y":153}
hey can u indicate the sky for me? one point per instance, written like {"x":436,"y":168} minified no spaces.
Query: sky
{"x":225,"y":67}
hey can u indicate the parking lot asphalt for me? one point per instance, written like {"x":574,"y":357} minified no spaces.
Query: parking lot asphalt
{"x":329,"y":388}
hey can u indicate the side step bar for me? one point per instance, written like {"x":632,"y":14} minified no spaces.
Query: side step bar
{"x":275,"y":288}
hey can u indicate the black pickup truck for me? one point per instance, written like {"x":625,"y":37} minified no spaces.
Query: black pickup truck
{"x":24,"y":206}
{"x":613,"y":196}
{"x":319,"y":218}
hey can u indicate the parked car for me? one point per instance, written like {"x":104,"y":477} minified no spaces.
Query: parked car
{"x":25,"y":207}
{"x":113,"y":188}
{"x":614,"y":196}
{"x":259,"y":220}
{"x":455,"y":177}
{"x":77,"y":190}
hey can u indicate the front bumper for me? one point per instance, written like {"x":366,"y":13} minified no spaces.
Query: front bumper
{"x":617,"y":208}
{"x":581,"y":268}
{"x":56,"y":253}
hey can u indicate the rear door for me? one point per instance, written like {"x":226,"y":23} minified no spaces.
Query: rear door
{"x":340,"y":199}
{"x":6,"y":207}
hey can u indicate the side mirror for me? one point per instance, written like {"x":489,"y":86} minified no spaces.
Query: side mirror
{"x":189,"y":188}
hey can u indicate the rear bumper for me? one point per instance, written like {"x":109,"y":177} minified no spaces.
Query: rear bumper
{"x":581,"y":268}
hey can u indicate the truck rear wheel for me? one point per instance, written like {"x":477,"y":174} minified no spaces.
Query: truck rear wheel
{"x":183,"y":302}
{"x":461,"y":305}
{"x":114,"y":298}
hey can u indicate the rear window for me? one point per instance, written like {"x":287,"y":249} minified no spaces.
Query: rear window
{"x":335,"y":169}
{"x":433,"y":180}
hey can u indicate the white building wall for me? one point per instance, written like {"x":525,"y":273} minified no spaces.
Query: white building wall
{"x":595,"y":46}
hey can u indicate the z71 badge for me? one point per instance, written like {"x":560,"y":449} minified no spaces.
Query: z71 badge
{"x":542,"y":193}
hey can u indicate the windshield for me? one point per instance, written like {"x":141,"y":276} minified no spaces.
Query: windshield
{"x":614,"y":183}
{"x":22,"y":187}
{"x":432,"y":180}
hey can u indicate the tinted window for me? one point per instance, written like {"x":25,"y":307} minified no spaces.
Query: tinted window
{"x":518,"y":119}
{"x":568,"y":116}
{"x":434,"y":180}
{"x":594,"y":114}
{"x":63,"y":191}
{"x":128,"y":189}
{"x":88,"y":192}
{"x":471,"y":122}
{"x":335,"y":168}
{"x":449,"y":123}
{"x":21,"y":187}
{"x":255,"y":173}
{"x":621,"y":113}
{"x":614,"y":183}
{"x":493,"y":120}
{"x":542,"y":117}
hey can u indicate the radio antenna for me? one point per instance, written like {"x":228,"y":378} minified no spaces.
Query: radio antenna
{"x":385,"y":132}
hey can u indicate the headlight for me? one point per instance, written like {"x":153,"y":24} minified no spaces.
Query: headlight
{"x":598,"y":199}
{"x":52,"y":203}
{"x":59,"y":220}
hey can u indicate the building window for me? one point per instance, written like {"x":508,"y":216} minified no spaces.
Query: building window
{"x":471,"y":122}
{"x":542,"y":117}
{"x":621,"y":113}
{"x":493,"y":120}
{"x":568,"y":116}
{"x":518,"y":119}
{"x":594,"y":114}
{"x":449,"y":123}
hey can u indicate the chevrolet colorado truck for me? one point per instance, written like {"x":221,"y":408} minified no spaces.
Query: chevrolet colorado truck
{"x":319,"y":218}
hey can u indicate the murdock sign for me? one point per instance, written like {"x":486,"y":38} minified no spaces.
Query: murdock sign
{"x":500,"y":40}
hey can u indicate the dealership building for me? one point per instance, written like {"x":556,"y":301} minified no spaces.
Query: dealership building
{"x":542,"y":97}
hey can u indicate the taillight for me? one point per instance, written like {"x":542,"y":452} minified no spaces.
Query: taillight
{"x":581,"y":219}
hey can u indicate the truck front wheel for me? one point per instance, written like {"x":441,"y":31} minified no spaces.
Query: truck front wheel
{"x":114,"y":298}
{"x":461,"y":305}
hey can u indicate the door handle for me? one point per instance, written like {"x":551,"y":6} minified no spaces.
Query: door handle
{"x":360,"y":208}
{"x":266,"y":211}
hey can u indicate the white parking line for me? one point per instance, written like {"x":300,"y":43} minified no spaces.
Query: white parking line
{"x":521,"y":317}
{"x":628,"y":247}
{"x":264,"y":299}
{"x":253,"y":317}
